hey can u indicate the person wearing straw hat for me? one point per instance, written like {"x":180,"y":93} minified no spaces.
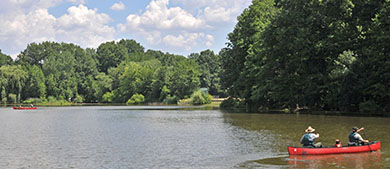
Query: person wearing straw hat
{"x":308,"y":139}
{"x":355,"y":139}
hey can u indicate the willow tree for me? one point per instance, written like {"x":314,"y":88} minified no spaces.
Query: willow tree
{"x":12,"y":81}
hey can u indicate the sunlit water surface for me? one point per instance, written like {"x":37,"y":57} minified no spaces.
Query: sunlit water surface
{"x":162,"y":137}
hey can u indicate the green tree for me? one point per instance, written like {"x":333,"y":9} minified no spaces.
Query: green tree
{"x":184,"y":78}
{"x":109,"y":55}
{"x":131,"y":46}
{"x":35,"y":85}
{"x":209,"y":67}
{"x":5,"y":59}
{"x":297,"y":53}
{"x":236,"y":75}
{"x":370,"y":73}
{"x":61,"y":77}
{"x":136,"y":99}
{"x":12,"y":81}
{"x":101,"y":85}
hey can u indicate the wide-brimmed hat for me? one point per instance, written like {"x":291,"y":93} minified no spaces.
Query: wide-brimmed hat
{"x":309,"y":129}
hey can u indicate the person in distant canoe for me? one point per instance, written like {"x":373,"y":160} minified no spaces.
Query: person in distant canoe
{"x":31,"y":105}
{"x":308,"y":139}
{"x":355,"y":139}
{"x":338,"y":143}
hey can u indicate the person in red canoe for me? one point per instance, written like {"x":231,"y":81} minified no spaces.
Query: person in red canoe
{"x":308,"y":139}
{"x":31,"y":105}
{"x":355,"y":139}
{"x":338,"y":143}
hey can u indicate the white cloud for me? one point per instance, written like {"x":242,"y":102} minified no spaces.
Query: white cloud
{"x":159,"y":16}
{"x":176,"y":25}
{"x":172,"y":26}
{"x":14,"y":7}
{"x":77,"y":2}
{"x":184,"y":27}
{"x":17,"y":32}
{"x":118,"y":6}
{"x":82,"y":26}
{"x":219,"y":11}
{"x":186,"y":40}
{"x":210,"y":40}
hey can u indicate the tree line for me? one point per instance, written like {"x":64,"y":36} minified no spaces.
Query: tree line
{"x":331,"y":55}
{"x":115,"y":72}
{"x":310,"y":54}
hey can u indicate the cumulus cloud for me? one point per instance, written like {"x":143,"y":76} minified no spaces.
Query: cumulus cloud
{"x":185,"y":40}
{"x":161,"y":24}
{"x":82,"y":26}
{"x":15,"y":7}
{"x":216,"y":11}
{"x":178,"y":25}
{"x":159,"y":16}
{"x":186,"y":26}
{"x":118,"y":6}
{"x":210,"y":40}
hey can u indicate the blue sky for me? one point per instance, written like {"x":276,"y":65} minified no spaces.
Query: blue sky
{"x":174,"y":26}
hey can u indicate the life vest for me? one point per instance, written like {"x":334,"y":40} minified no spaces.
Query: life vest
{"x":306,"y":141}
{"x":352,"y":138}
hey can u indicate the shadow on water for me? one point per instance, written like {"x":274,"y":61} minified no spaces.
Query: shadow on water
{"x":272,"y":162}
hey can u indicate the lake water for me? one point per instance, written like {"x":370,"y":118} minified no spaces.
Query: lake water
{"x":167,"y":137}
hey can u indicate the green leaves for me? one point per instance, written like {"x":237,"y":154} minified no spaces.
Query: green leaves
{"x":325,"y":55}
{"x":5,"y":59}
{"x":12,"y":81}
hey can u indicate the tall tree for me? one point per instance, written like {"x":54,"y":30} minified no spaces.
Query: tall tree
{"x":209,"y":67}
{"x":131,"y":46}
{"x":109,"y":55}
{"x":35,"y":85}
{"x":12,"y":81}
{"x":236,"y":62}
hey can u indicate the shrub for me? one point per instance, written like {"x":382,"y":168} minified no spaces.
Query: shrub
{"x":164,"y":93}
{"x":200,"y":97}
{"x":171,"y":100}
{"x":12,"y":98}
{"x":51,"y":99}
{"x":107,"y":97}
{"x":232,"y":103}
{"x":4,"y":100}
{"x":78,"y":99}
{"x":32,"y":100}
{"x":136,"y":99}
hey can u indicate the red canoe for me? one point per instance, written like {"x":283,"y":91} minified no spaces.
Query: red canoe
{"x":373,"y":146}
{"x":25,"y":108}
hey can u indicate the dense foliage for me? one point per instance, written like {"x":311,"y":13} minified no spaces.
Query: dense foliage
{"x":312,"y":54}
{"x":199,"y":97}
{"x":115,"y":72}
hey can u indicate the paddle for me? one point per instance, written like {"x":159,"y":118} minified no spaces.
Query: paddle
{"x":364,"y":134}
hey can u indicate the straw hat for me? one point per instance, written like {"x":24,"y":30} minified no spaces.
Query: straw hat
{"x":309,"y":129}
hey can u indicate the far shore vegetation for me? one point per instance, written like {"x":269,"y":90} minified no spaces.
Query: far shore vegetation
{"x":329,"y":56}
